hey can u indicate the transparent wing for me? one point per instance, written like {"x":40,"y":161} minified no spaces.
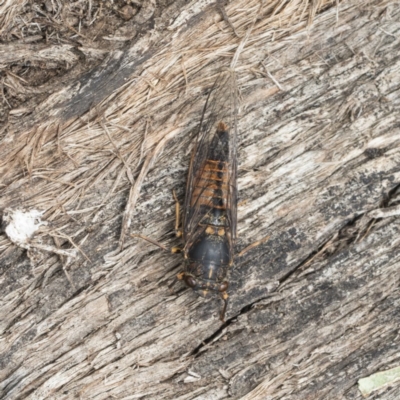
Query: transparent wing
{"x":221,"y":107}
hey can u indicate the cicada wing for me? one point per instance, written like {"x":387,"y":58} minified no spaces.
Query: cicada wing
{"x":233,"y":157}
{"x":220,"y":110}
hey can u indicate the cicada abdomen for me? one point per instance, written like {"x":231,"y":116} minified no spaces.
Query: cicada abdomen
{"x":210,"y":206}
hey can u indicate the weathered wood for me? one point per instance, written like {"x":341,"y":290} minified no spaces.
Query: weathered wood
{"x":312,"y":310}
{"x":42,"y":56}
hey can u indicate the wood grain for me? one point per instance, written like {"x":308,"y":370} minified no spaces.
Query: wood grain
{"x":312,"y":310}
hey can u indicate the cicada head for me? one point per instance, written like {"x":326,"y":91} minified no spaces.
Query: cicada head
{"x":197,"y":284}
{"x":200,"y":283}
{"x":203,"y":283}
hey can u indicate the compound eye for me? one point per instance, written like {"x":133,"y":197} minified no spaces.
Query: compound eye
{"x":190,"y":281}
{"x":223,"y":287}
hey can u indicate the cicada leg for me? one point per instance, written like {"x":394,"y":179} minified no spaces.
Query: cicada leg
{"x":161,"y":246}
{"x":224,"y":296}
{"x":178,"y":232}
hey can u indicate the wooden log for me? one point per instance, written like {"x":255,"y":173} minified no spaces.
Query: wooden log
{"x":312,"y":310}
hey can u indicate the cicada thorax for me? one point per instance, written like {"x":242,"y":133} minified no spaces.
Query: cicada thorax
{"x":209,"y":255}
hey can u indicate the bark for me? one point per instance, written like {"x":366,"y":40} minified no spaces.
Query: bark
{"x":312,"y":309}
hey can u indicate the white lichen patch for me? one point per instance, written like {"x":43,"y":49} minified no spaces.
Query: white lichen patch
{"x":378,"y":380}
{"x":21,"y":225}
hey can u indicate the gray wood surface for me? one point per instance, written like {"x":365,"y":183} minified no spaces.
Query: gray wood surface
{"x":312,"y":310}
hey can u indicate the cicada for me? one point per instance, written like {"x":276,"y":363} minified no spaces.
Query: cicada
{"x":210,"y":208}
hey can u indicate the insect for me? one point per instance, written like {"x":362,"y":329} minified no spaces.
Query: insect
{"x":210,"y":208}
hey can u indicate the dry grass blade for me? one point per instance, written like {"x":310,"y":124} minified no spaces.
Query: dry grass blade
{"x":135,"y":190}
